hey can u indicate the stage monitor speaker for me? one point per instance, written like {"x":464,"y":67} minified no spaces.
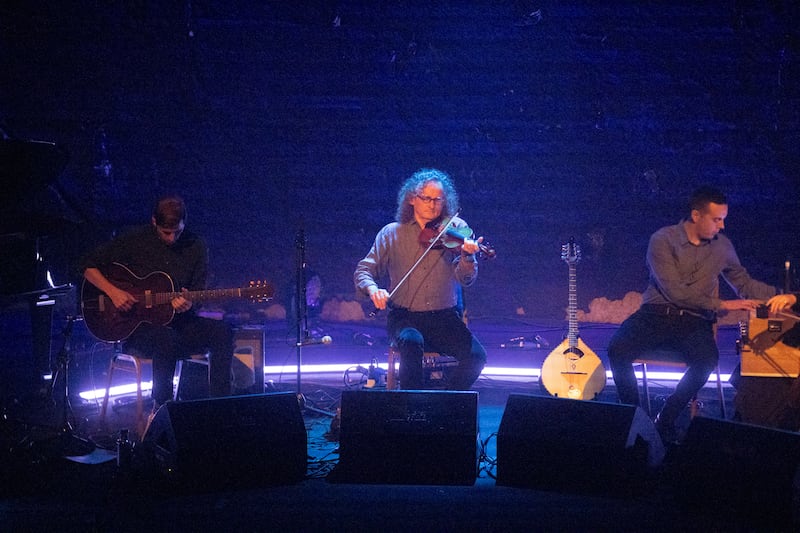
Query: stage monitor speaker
{"x":738,"y":468}
{"x":230,"y":441}
{"x":575,"y":445}
{"x":408,"y":437}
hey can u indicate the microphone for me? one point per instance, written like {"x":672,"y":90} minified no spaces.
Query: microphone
{"x":321,"y":340}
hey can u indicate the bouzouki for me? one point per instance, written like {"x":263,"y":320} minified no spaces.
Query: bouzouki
{"x":572,"y":370}
{"x":155,"y":293}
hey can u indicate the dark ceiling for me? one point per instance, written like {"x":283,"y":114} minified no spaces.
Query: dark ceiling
{"x":556,"y":119}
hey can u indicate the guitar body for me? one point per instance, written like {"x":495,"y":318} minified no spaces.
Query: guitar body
{"x":572,"y":370}
{"x":108,"y":323}
{"x":575,"y":373}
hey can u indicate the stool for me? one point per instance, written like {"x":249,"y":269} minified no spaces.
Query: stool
{"x":133,"y":363}
{"x":678,"y":364}
{"x":127,"y":363}
{"x":434,"y":365}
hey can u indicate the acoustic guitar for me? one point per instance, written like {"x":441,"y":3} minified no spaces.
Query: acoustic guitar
{"x":155,"y":293}
{"x":572,"y":370}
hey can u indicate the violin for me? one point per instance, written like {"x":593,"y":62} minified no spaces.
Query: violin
{"x":438,"y":235}
{"x":452,"y":238}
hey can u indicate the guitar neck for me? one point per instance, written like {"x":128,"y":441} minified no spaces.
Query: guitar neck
{"x":197,"y":296}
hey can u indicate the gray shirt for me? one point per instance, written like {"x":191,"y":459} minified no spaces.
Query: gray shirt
{"x":687,"y":275}
{"x":433,"y":283}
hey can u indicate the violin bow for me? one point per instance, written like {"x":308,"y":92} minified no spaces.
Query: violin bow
{"x":419,"y":260}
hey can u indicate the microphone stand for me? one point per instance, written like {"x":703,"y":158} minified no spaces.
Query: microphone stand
{"x":69,"y":444}
{"x":301,"y":318}
{"x":300,"y":306}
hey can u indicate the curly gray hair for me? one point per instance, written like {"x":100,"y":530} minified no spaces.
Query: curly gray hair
{"x":415,"y":184}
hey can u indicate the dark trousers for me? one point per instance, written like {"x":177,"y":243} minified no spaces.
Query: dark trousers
{"x":435,"y":331}
{"x":690,"y":338}
{"x":183,"y":337}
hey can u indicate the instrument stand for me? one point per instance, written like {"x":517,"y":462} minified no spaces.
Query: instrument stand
{"x":67,"y":444}
{"x":301,"y":321}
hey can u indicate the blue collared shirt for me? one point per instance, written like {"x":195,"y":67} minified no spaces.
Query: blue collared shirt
{"x":687,"y":275}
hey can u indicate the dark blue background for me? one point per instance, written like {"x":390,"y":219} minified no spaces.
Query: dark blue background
{"x":592,"y":120}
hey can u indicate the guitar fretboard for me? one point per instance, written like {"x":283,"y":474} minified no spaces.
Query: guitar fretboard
{"x":160,"y":298}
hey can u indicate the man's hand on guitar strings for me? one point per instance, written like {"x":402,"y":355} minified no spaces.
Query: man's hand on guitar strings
{"x":123,"y":300}
{"x":181,"y":304}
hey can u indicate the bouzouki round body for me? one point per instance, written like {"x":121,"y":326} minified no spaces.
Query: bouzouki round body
{"x":575,"y":373}
{"x":572,"y":370}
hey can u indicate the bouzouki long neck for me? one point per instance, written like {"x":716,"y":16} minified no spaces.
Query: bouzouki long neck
{"x":572,"y":309}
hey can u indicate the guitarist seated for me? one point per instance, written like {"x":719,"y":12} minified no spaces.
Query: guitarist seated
{"x":122,"y":268}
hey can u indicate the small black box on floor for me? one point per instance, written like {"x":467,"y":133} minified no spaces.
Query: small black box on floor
{"x":739,"y":469}
{"x":575,"y":445}
{"x":408,"y":437}
{"x":231,"y":441}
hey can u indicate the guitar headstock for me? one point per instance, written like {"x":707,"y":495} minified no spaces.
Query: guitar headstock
{"x":259,"y":291}
{"x":571,"y":252}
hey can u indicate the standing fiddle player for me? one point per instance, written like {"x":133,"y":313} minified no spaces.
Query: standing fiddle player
{"x":424,"y":310}
{"x":680,"y":304}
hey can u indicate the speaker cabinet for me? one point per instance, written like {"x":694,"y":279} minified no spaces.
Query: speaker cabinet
{"x":767,"y":402}
{"x":408,"y":437}
{"x":564,"y":444}
{"x":231,"y":441}
{"x":738,"y":468}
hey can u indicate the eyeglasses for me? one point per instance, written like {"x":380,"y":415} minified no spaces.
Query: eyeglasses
{"x":428,"y":199}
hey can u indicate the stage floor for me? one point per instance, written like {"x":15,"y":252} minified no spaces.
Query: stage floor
{"x":46,"y":490}
{"x":328,"y":369}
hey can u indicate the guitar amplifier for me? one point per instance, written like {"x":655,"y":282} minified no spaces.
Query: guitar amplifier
{"x":248,"y":361}
{"x":247,"y":367}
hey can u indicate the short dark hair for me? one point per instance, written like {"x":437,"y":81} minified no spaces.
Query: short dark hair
{"x":169,"y":211}
{"x":702,"y":196}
